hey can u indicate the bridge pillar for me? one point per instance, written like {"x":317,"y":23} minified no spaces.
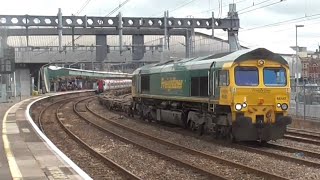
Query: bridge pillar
{"x":137,"y":47}
{"x":4,"y":78}
{"x":188,"y":42}
{"x":101,"y":50}
{"x":233,"y":40}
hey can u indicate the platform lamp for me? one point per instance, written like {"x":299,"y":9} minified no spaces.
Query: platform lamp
{"x":296,"y":86}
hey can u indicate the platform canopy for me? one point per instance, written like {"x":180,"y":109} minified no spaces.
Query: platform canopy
{"x":55,"y":73}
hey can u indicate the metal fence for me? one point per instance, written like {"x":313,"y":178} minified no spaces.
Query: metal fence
{"x":305,"y":102}
{"x":9,"y":90}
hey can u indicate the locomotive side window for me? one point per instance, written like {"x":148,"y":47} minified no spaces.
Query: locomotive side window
{"x":145,"y":83}
{"x":274,"y":76}
{"x":246,"y":76}
{"x":199,"y":86}
{"x":223,"y":78}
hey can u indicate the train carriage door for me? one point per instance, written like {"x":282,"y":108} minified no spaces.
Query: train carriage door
{"x":211,"y":80}
{"x":216,"y":84}
{"x":221,"y":80}
{"x":223,"y":83}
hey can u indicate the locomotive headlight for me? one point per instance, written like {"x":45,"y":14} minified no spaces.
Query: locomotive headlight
{"x":284,"y":106}
{"x":238,"y":107}
{"x":278,"y":105}
{"x":244,"y":105}
{"x":261,"y":62}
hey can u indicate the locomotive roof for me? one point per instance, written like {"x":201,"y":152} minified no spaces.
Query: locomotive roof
{"x":205,"y":61}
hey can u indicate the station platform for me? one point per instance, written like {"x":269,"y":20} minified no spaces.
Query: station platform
{"x":25,"y":152}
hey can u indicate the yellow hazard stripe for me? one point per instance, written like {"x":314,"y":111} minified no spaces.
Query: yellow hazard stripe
{"x":15,"y":171}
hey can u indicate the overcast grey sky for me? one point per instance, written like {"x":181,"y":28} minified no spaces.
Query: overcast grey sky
{"x":256,"y":16}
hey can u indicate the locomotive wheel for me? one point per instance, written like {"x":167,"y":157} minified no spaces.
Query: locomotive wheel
{"x":216,"y":132}
{"x":192,"y":125}
{"x":108,"y":105}
{"x":201,"y":129}
{"x":141,"y":115}
{"x":149,"y":117}
{"x":262,"y":142}
{"x":231,"y":138}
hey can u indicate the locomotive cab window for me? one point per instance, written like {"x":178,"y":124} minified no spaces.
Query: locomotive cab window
{"x":274,"y":77}
{"x":223,"y":76}
{"x":246,"y":76}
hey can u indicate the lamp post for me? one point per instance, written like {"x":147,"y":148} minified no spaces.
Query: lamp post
{"x":297,"y":101}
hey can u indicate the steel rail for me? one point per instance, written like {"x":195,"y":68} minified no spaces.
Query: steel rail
{"x":302,"y":139}
{"x":45,"y":108}
{"x":188,"y":150}
{"x":124,"y":139}
{"x":276,"y":155}
{"x":280,"y":156}
{"x":303,"y":130}
{"x":303,"y":133}
{"x":105,"y":159}
{"x":294,"y":150}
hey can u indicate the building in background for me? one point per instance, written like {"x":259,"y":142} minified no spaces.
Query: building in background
{"x":311,"y":67}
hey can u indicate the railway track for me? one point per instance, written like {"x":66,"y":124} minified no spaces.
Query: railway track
{"x":295,"y":150}
{"x":91,"y":160}
{"x":95,"y":153}
{"x":205,"y":172}
{"x":266,"y":151}
{"x":81,"y":108}
{"x":301,"y":138}
{"x":303,"y":133}
{"x":177,"y":147}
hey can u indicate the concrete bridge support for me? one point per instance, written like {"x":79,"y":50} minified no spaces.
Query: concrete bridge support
{"x":138,"y":48}
{"x":101,"y":50}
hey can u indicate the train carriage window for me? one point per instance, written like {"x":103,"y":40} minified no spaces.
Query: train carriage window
{"x":199,"y":86}
{"x":145,"y":83}
{"x":223,"y":78}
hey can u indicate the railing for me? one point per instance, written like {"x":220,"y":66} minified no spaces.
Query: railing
{"x":305,"y":102}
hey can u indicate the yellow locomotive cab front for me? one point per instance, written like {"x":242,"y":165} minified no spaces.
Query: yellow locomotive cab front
{"x":260,"y":92}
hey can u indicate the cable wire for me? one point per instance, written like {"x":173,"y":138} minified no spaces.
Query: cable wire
{"x":77,"y":13}
{"x":299,"y":19}
{"x":271,"y":4}
{"x":262,"y":2}
{"x":117,"y":8}
{"x":176,"y":8}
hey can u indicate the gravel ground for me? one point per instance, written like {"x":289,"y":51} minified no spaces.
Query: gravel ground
{"x":96,"y":169}
{"x":223,"y":170}
{"x":137,"y":161}
{"x":287,"y":169}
